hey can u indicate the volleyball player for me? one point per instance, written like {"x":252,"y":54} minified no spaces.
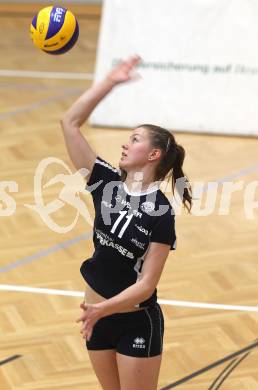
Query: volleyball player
{"x":134,"y":231}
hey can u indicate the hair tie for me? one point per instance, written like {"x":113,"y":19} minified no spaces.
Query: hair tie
{"x":168,"y":144}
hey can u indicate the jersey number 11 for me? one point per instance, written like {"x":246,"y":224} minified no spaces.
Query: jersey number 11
{"x":122,"y":215}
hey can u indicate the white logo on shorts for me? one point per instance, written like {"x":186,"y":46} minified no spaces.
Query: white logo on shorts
{"x":139,"y":342}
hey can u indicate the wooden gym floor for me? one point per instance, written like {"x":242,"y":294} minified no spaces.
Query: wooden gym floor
{"x":215,"y":262}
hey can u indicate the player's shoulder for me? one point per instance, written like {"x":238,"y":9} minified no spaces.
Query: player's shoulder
{"x":162,"y":199}
{"x":106,"y":165}
{"x":103,"y":173}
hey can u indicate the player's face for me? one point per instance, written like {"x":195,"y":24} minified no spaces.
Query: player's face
{"x":136,"y":151}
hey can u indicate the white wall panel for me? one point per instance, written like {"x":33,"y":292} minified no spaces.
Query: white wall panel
{"x":200,"y":64}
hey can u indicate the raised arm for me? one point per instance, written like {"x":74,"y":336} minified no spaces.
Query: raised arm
{"x":80,"y":152}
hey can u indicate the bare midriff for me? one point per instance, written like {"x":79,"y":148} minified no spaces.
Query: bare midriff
{"x":91,"y":297}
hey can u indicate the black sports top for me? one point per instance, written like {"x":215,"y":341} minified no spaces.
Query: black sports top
{"x":125,"y":224}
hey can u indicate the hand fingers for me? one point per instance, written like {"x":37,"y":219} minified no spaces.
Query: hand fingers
{"x":84,"y":324}
{"x":135,"y":76}
{"x":81,"y":319}
{"x":89,"y":336}
{"x":131,"y":62}
{"x":85,"y":308}
{"x":86,"y":329}
{"x":86,"y":333}
{"x":134,"y":60}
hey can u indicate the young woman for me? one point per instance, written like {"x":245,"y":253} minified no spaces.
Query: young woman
{"x":133,"y":233}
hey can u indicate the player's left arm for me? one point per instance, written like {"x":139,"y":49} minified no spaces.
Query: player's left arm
{"x":144,"y":287}
{"x":138,"y":292}
{"x":153,"y":265}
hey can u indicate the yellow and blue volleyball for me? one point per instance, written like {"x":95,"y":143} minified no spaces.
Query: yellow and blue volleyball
{"x":54,"y":30}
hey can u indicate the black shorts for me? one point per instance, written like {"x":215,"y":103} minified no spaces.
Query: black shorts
{"x":138,"y":333}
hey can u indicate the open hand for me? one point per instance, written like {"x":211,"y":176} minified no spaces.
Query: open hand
{"x":91,"y":314}
{"x":124,"y":71}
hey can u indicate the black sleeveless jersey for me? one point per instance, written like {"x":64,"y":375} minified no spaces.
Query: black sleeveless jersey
{"x":125,"y":224}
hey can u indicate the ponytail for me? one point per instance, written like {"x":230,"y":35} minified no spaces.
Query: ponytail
{"x":178,"y":173}
{"x":172,"y":160}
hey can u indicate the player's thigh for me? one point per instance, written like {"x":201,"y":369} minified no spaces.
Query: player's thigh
{"x":138,"y":373}
{"x":105,"y":366}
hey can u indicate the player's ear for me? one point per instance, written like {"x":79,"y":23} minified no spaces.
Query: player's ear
{"x":154,"y":154}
